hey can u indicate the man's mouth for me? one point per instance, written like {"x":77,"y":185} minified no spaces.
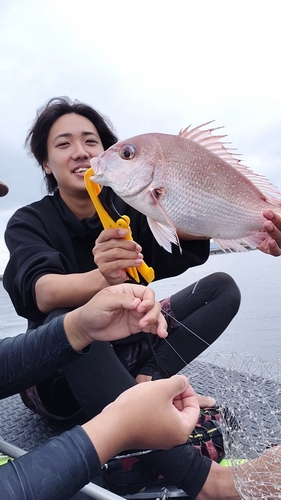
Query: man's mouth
{"x":81,"y":170}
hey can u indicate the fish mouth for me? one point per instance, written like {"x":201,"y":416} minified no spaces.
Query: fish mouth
{"x":102,"y":173}
{"x":127,"y":188}
{"x":99,"y":172}
{"x":95,"y":163}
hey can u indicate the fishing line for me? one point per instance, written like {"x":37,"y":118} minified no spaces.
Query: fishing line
{"x":175,"y":351}
{"x":186,"y":328}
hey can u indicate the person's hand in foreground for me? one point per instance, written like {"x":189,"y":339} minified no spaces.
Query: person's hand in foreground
{"x":114,"y":313}
{"x":155,"y":415}
{"x":272,"y":226}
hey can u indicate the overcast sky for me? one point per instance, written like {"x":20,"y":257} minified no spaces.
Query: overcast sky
{"x":150,"y":66}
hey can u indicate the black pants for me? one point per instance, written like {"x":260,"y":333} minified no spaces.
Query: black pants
{"x":204,"y":309}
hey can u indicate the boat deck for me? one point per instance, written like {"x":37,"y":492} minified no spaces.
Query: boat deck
{"x":21,"y":427}
{"x":253,"y":403}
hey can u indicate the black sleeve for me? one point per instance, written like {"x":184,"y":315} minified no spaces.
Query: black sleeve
{"x":30,"y":236}
{"x":29,"y":358}
{"x":57,"y":469}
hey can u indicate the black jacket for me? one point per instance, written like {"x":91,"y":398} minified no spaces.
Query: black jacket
{"x":46,"y":237}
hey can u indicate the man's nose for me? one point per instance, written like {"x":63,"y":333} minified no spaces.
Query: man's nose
{"x":80,"y":151}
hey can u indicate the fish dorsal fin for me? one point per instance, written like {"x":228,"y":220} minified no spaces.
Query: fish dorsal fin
{"x":214,"y":144}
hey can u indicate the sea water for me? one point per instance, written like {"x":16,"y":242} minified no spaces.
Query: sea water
{"x":256,"y":329}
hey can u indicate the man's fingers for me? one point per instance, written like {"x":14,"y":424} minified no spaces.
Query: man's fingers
{"x":138,"y":297}
{"x":111,"y":234}
{"x":128,"y":302}
{"x":180,"y":386}
{"x":205,"y":401}
{"x":186,"y":391}
{"x":272,"y":216}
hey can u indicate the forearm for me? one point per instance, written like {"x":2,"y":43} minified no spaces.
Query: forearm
{"x":108,"y":439}
{"x":219,"y":485}
{"x":29,"y":358}
{"x":53,"y":291}
{"x":58,"y":469}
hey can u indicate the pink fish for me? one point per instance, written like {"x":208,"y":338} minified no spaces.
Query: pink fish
{"x":189,"y":182}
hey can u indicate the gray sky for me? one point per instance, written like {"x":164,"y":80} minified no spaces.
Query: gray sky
{"x":150,"y":66}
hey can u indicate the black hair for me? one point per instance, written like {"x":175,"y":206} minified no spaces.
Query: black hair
{"x":46,"y":116}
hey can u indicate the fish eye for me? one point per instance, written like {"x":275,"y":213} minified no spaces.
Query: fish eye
{"x":128,"y":152}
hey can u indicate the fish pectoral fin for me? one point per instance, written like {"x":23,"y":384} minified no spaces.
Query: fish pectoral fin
{"x":164,"y":235}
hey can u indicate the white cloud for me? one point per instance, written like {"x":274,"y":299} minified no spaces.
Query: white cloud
{"x":148,"y":66}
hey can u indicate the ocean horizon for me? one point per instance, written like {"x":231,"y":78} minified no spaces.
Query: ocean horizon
{"x":255,"y":330}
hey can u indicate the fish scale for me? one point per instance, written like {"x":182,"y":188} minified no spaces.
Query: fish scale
{"x":189,"y":182}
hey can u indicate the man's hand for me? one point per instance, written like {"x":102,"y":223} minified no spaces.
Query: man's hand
{"x":113,"y":255}
{"x":205,"y":401}
{"x":155,"y":415}
{"x":114,"y":313}
{"x":272,"y":226}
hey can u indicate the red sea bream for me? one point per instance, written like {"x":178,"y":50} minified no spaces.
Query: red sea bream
{"x":189,"y":182}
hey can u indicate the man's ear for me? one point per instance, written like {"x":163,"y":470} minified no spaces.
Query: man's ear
{"x":46,"y":167}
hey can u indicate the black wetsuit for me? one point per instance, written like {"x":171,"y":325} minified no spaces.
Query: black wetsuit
{"x":62,"y":466}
